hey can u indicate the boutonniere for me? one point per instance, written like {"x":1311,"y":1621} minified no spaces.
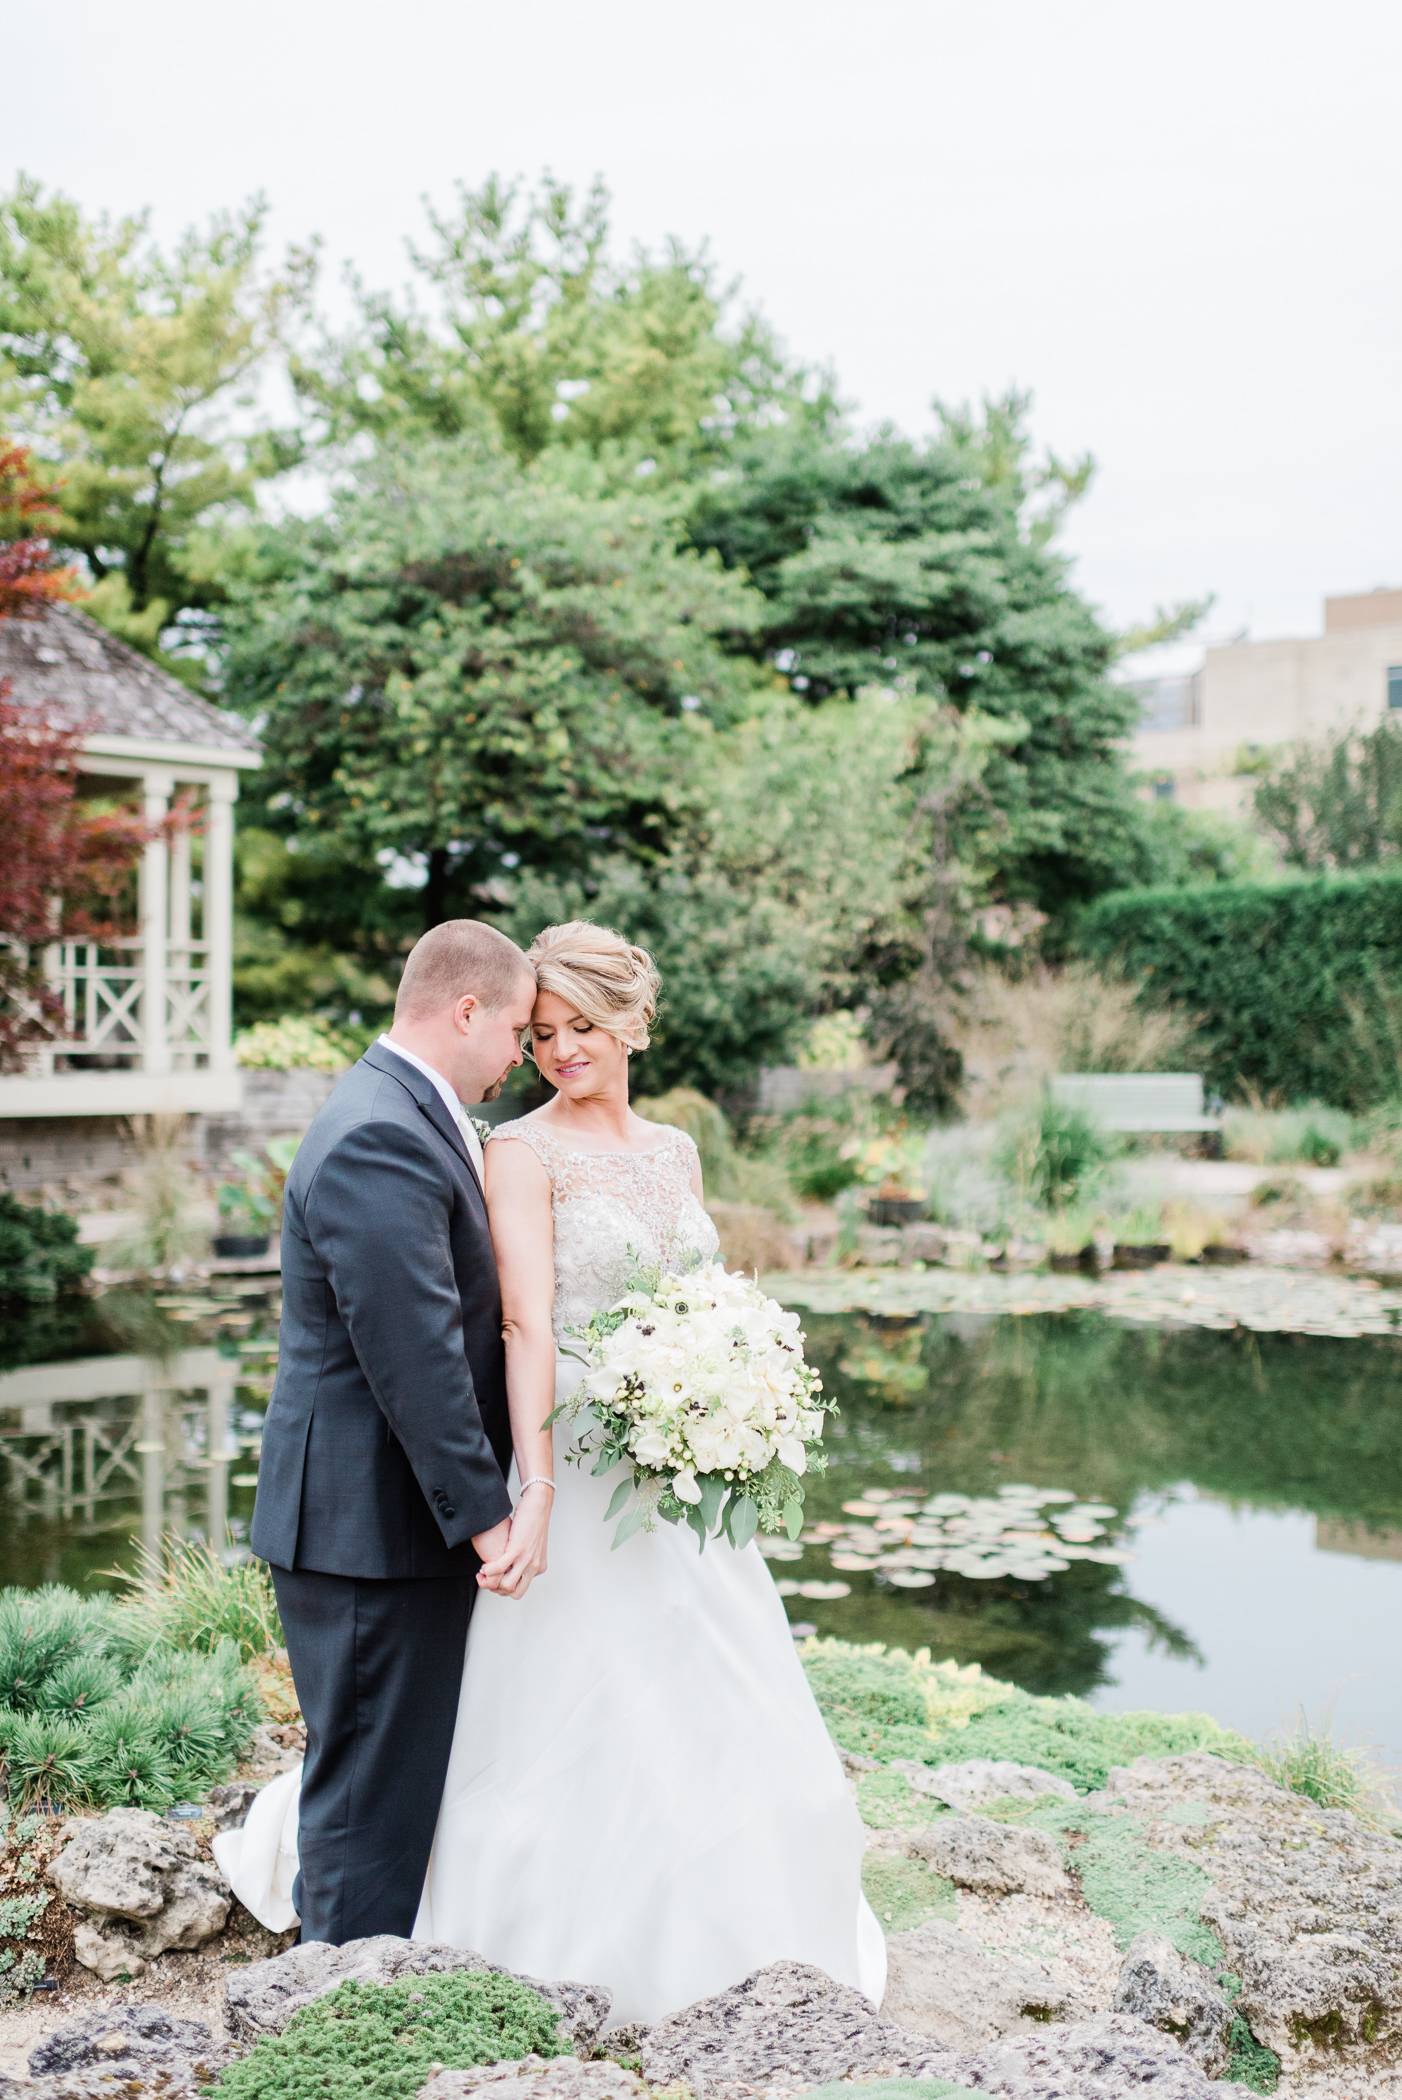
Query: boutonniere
{"x":481,"y":1126}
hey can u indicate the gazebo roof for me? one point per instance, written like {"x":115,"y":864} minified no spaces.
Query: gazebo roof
{"x":63,"y":662}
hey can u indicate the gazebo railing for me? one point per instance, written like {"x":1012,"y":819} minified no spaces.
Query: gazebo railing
{"x":105,"y":997}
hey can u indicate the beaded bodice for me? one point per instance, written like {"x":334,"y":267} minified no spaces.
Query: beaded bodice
{"x":615,"y":1212}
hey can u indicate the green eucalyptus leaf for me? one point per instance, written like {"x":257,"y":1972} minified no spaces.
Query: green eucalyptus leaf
{"x":620,"y":1496}
{"x":793,"y":1517}
{"x":713,"y":1493}
{"x":743,"y":1522}
{"x":632,"y":1522}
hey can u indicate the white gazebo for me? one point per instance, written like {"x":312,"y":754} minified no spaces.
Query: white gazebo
{"x":149,"y":1019}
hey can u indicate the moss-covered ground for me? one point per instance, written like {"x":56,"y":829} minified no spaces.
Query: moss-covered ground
{"x":383,"y":2041}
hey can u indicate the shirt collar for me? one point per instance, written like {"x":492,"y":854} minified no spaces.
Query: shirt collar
{"x":450,"y":1099}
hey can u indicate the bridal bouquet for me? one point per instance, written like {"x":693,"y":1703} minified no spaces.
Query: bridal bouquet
{"x":697,"y":1384}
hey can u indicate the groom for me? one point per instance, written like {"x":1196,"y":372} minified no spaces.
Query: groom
{"x":381,"y":1487}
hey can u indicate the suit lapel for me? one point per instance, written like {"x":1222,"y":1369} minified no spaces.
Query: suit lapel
{"x":430,"y":1101}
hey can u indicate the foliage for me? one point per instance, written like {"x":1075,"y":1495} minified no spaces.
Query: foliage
{"x":793,"y":861}
{"x":536,"y":339}
{"x":884,"y":1703}
{"x":1013,"y":1031}
{"x":190,"y":1596}
{"x":1180,"y":847}
{"x":467,"y":668}
{"x":1250,"y":2062}
{"x":167,"y":1230}
{"x":246,"y":1203}
{"x":1309,"y":1759}
{"x":294,"y":1044}
{"x":1336,"y":804}
{"x":36,"y":1930}
{"x":1316,"y":1135}
{"x":65,"y":864}
{"x":95,"y":1710}
{"x":905,"y":1893}
{"x":929,"y":568}
{"x":728,"y":1174}
{"x":366,"y":2041}
{"x":1054,"y":1157}
{"x":39,"y":1253}
{"x":1290,"y":981}
{"x":120,"y":364}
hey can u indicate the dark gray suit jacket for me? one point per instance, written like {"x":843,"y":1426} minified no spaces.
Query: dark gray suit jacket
{"x":387,"y":1437}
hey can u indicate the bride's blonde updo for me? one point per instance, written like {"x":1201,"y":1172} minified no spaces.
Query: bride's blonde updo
{"x":599,"y":974}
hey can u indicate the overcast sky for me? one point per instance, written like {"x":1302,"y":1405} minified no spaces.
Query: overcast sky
{"x":1177,"y":225}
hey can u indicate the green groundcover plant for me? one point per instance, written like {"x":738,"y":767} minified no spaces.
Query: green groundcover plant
{"x":39,"y":1253}
{"x":97,"y":1708}
{"x":384,"y":2041}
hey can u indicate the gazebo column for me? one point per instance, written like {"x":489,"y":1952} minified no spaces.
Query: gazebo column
{"x":219,"y":917}
{"x":155,"y":917}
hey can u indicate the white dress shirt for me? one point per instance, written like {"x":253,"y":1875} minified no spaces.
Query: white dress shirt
{"x":450,"y":1101}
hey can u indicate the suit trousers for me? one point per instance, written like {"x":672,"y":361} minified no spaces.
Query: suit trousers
{"x":378,"y":1669}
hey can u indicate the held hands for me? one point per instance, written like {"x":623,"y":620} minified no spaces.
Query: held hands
{"x":513,"y":1552}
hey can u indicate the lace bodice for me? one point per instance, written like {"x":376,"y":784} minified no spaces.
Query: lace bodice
{"x":614,"y":1212}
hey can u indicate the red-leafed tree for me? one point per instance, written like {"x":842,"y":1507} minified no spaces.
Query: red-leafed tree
{"x":62,"y":867}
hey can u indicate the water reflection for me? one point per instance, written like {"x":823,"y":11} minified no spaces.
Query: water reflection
{"x":1256,"y":1478}
{"x":101,"y":1452}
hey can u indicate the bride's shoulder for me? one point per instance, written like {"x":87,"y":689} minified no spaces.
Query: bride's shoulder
{"x":524,"y":1128}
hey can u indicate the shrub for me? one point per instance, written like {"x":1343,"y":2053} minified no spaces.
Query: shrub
{"x":39,"y":1253}
{"x":1293,"y":983}
{"x":98,"y":1705}
{"x":191,"y":1597}
{"x":296,"y":1044}
{"x":1054,"y":1157}
{"x":383,"y":2041}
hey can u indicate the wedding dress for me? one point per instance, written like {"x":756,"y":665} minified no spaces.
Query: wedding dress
{"x":641,"y":1791}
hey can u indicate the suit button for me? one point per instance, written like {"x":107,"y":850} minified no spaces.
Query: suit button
{"x":449,"y":1514}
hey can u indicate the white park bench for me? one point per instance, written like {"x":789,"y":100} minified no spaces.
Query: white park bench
{"x":1145,"y":1101}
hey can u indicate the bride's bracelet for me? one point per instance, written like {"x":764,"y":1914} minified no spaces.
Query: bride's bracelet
{"x":538,"y":1480}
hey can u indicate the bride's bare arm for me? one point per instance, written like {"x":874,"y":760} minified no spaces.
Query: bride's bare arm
{"x":518,"y":1208}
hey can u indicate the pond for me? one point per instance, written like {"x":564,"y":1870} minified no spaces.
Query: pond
{"x":1169,"y":1518}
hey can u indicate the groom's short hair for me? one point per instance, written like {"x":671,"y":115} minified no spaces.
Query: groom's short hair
{"x":457,"y":957}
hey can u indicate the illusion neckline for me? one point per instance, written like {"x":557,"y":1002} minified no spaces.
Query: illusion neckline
{"x":576,"y":1152}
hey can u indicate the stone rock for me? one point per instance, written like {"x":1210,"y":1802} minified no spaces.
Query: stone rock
{"x":991,"y":1858}
{"x":142,"y":1887}
{"x":940,"y":1983}
{"x":537,"y":2078}
{"x":134,"y":2051}
{"x":1306,"y":1901}
{"x":626,"y":2040}
{"x":275,"y":1748}
{"x":979,"y":1780}
{"x":229,"y":1805}
{"x":1100,"y":2059}
{"x":1170,"y":1991}
{"x":262,"y":1998}
{"x":789,"y":2022}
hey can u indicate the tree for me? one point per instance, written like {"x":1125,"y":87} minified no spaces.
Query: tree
{"x":122,"y":367}
{"x":63,"y":867}
{"x":931,"y":568}
{"x":1336,"y":803}
{"x":466,"y":669}
{"x":536,"y":339}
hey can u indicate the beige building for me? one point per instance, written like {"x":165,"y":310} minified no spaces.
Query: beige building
{"x":1202,"y":730}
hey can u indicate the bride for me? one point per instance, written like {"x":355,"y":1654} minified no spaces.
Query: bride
{"x":641,"y":1791}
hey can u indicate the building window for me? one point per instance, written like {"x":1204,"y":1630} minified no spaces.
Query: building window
{"x":1394,"y":686}
{"x":1163,"y":791}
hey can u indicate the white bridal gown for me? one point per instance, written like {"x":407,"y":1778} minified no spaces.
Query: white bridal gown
{"x":641,"y":1791}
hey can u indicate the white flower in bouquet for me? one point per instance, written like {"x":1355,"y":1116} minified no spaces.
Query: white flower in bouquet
{"x":697,"y":1383}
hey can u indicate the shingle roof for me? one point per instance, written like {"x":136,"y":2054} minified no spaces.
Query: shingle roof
{"x":77,"y":672}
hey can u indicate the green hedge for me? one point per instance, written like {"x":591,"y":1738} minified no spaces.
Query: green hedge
{"x":1273,"y":969}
